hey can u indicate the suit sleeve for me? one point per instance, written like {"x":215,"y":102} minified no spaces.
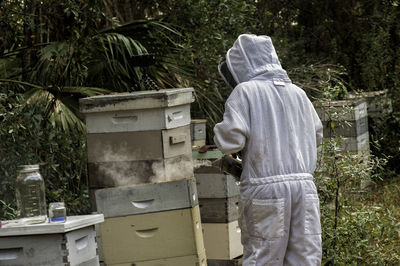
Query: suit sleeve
{"x":318,"y":127}
{"x":231,"y":134}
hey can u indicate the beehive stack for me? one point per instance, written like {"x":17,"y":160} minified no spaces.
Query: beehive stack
{"x":347,"y":119}
{"x":139,"y":149}
{"x":219,"y":199}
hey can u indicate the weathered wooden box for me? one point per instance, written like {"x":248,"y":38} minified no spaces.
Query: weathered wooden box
{"x":195,"y":260}
{"x":123,"y":173}
{"x":70,"y":243}
{"x":212,"y":183}
{"x":147,"y":198}
{"x":198,"y":132}
{"x":378,"y":102}
{"x":219,"y":210}
{"x":347,"y":119}
{"x":139,"y":145}
{"x":137,"y":111}
{"x":222,"y":240}
{"x":152,"y":236}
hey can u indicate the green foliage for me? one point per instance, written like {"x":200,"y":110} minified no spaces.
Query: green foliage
{"x":26,"y":137}
{"x":356,"y":229}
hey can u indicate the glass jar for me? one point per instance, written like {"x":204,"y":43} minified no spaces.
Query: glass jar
{"x":57,"y":212}
{"x":30,"y":194}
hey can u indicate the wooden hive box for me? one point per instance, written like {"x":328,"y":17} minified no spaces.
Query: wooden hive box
{"x":222,"y":240}
{"x":147,"y":198}
{"x":70,"y":243}
{"x":152,"y":236}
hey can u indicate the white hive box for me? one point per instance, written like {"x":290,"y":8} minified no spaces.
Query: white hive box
{"x":152,"y":236}
{"x":137,"y":111}
{"x":147,"y":198}
{"x":69,"y":243}
{"x":347,"y":119}
{"x":222,"y":240}
{"x":212,"y":183}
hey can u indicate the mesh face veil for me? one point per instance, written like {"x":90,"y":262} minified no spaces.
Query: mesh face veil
{"x":226,"y":74}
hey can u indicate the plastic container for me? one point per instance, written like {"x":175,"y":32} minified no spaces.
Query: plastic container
{"x":57,"y":212}
{"x":30,"y":194}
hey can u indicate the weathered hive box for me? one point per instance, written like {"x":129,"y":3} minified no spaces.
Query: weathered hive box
{"x":198,"y":132}
{"x":152,"y":236}
{"x":378,"y":102}
{"x":138,"y":137}
{"x":212,"y":183}
{"x":69,"y":243}
{"x":219,"y":210}
{"x":113,"y":174}
{"x":178,"y":261}
{"x":222,"y":240}
{"x":137,"y":111}
{"x":147,"y":198}
{"x":347,"y":119}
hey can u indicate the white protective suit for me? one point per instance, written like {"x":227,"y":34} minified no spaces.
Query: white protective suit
{"x":275,"y":125}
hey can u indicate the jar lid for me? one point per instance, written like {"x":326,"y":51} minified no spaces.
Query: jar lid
{"x":28,"y":167}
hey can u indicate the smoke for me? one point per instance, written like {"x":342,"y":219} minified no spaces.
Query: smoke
{"x":121,"y":167}
{"x":200,"y":163}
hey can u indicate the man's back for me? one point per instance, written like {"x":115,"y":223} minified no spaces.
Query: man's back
{"x":275,"y":125}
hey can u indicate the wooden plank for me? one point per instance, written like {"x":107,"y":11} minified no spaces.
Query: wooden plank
{"x":147,"y":198}
{"x":14,"y":228}
{"x":136,"y":100}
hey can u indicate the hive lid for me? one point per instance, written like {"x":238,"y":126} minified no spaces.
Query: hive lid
{"x":136,"y":100}
{"x":14,"y":228}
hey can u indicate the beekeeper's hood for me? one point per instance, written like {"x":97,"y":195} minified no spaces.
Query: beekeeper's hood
{"x":254,"y":57}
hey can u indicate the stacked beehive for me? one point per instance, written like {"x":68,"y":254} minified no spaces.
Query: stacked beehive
{"x":219,"y":199}
{"x":348,"y":120}
{"x":139,"y":151}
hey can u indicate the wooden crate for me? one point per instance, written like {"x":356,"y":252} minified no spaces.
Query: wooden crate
{"x":147,"y":198}
{"x":137,"y":111}
{"x":222,"y":240}
{"x":139,"y":145}
{"x":347,"y":119}
{"x":215,"y":184}
{"x":70,"y":243}
{"x":378,"y":102}
{"x":114,"y":174}
{"x":193,"y":260}
{"x":219,"y":210}
{"x":152,"y":236}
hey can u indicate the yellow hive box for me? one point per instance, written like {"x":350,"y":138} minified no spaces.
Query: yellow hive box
{"x":178,"y":261}
{"x":152,"y":236}
{"x":222,"y":240}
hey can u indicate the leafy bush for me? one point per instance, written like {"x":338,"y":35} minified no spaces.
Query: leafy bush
{"x":356,"y":229}
{"x":27,"y":138}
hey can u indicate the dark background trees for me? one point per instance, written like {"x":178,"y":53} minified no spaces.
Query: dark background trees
{"x":54,"y":52}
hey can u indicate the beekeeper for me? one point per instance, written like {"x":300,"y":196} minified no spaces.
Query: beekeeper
{"x":275,"y":125}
